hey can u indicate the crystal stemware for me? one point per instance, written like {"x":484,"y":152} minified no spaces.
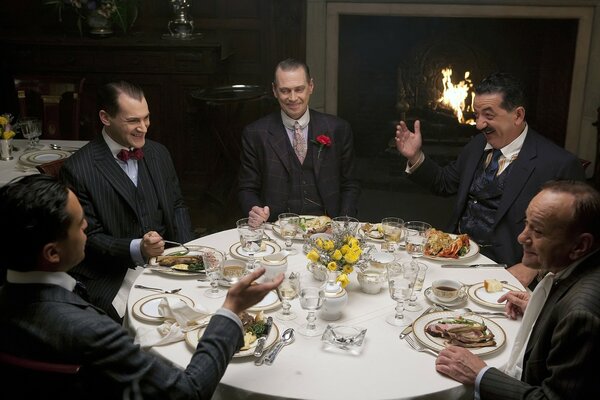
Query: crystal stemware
{"x":344,"y":226}
{"x":412,"y":304}
{"x":213,"y":266}
{"x":251,"y":237}
{"x":393,"y":228}
{"x":401,"y":280}
{"x":287,"y":290}
{"x":416,"y":236}
{"x":312,"y":297}
{"x":289,"y":224}
{"x":31,"y":128}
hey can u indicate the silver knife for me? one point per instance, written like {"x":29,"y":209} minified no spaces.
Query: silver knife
{"x":474,"y":265}
{"x":260,"y":344}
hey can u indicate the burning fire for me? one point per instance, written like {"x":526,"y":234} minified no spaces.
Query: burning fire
{"x":454,"y":96}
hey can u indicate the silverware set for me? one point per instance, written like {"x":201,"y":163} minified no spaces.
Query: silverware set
{"x":268,"y":357}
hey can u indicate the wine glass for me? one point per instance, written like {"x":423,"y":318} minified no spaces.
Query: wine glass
{"x":412,"y":304}
{"x":344,"y":226}
{"x":393,"y":228}
{"x":213,"y":266}
{"x":312,"y":297}
{"x":289,"y":224}
{"x":251,"y":237}
{"x":401,"y":280}
{"x":287,"y":290}
{"x":31,"y":128}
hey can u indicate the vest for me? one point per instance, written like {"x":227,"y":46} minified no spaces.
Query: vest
{"x":304,"y":196}
{"x":146,"y":202}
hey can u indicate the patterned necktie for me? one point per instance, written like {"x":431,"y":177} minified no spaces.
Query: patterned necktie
{"x":492,"y":168}
{"x":135,"y":154}
{"x":299,"y":143}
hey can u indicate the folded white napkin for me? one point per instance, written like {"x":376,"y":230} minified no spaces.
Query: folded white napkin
{"x":179,"y":317}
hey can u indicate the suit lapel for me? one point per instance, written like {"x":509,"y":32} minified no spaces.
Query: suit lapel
{"x":278,"y":140}
{"x":317,"y":126}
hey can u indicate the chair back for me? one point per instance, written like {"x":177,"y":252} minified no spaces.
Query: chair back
{"x":51,"y":168}
{"x":56,"y":102}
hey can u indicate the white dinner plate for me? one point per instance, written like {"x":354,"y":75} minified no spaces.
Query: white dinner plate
{"x":300,"y":235}
{"x":478,"y":294}
{"x":269,"y":302}
{"x":373,"y":234}
{"x":193,"y":337}
{"x":473,"y":251}
{"x":194,"y":250}
{"x":434,"y":299}
{"x":39,"y":157}
{"x":239,"y":253}
{"x":438,"y":343}
{"x":146,"y":308}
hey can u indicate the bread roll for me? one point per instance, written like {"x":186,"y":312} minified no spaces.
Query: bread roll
{"x":492,"y":285}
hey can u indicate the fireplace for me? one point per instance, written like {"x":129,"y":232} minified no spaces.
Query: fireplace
{"x":372,"y":60}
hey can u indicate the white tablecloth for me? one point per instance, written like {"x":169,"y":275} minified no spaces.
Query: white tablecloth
{"x":387,"y":368}
{"x":13,"y":168}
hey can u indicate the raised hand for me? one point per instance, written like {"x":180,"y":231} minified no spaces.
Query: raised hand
{"x":409,"y":143}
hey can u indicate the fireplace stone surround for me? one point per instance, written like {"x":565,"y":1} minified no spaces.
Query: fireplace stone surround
{"x":323,"y":30}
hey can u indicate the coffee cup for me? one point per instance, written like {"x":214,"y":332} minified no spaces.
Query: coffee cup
{"x":370,"y":280}
{"x":447,"y":290}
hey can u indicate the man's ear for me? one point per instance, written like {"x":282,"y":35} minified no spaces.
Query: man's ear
{"x":520,"y":115}
{"x":584,"y":244}
{"x":104,"y":117}
{"x":50,"y":253}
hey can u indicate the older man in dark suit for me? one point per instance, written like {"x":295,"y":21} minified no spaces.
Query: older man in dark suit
{"x":129,"y":190}
{"x":555,"y":353}
{"x":297,"y":160}
{"x":44,"y":323}
{"x":496,"y":174}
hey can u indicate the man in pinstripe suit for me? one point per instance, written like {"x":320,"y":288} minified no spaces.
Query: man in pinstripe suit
{"x":561,"y":346}
{"x":297,"y":159}
{"x":43,"y":320}
{"x":130,"y":204}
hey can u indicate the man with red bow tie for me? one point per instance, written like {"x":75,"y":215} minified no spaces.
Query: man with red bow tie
{"x":130,"y":192}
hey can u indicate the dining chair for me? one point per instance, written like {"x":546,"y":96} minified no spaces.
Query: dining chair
{"x":51,"y":168}
{"x":57,"y":102}
{"x":38,"y":365}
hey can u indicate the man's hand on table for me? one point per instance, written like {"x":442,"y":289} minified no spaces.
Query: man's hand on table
{"x":516,"y":303}
{"x":258,"y":215}
{"x":459,"y":364}
{"x":247,"y":293}
{"x":152,"y":245}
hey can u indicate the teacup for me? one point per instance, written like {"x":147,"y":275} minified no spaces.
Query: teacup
{"x":447,"y":290}
{"x":274,"y":264}
{"x":370,"y":280}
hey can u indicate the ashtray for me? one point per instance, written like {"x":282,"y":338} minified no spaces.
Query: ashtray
{"x":345,"y":338}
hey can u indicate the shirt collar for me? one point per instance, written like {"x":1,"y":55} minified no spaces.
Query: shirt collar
{"x":289,"y":122}
{"x":514,"y":147}
{"x":114,"y":147}
{"x":53,"y":278}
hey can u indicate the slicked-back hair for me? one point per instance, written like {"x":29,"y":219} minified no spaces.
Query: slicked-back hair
{"x":586,"y":215}
{"x":291,"y":64}
{"x":33,"y":211}
{"x":508,"y":86}
{"x":108,"y":95}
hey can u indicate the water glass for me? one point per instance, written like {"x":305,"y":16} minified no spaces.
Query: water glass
{"x":31,"y":128}
{"x":251,"y":237}
{"x":401,"y":281}
{"x":213,"y":266}
{"x":288,"y":291}
{"x":289,"y":225}
{"x":344,"y":226}
{"x":412,"y":304}
{"x":312,"y":297}
{"x":416,"y":236}
{"x":393,"y":229}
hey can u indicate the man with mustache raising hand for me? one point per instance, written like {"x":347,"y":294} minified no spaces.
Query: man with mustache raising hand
{"x":496,"y":174}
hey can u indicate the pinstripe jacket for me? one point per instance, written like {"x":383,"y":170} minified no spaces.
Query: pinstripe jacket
{"x":50,"y":323}
{"x":563,"y":351}
{"x":112,"y":216}
{"x":265,"y":170}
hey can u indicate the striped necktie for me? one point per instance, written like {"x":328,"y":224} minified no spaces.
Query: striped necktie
{"x":299,"y":143}
{"x":492,"y":168}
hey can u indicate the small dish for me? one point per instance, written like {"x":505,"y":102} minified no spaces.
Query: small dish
{"x":479,"y":295}
{"x":346,"y":338}
{"x":373,"y":233}
{"x":146,"y":308}
{"x":462,"y":297}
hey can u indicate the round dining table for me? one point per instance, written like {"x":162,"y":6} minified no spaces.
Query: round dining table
{"x":384,"y":367}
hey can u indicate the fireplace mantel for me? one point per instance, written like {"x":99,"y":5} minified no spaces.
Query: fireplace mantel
{"x":323,"y":34}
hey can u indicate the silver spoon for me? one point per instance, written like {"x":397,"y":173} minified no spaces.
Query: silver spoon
{"x":157,"y":289}
{"x":55,"y":146}
{"x":286,"y":338}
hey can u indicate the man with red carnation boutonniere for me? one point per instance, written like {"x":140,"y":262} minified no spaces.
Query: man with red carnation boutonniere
{"x":297,"y":159}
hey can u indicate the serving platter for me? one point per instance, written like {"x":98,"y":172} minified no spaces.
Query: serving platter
{"x":473,"y":251}
{"x":238,"y":252}
{"x":194,"y":251}
{"x":39,"y":157}
{"x":146,"y":308}
{"x":438,"y":343}
{"x":193,"y":337}
{"x":479,"y":295}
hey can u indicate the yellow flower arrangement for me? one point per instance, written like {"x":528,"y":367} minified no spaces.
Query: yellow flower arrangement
{"x":337,"y":255}
{"x":6,"y":131}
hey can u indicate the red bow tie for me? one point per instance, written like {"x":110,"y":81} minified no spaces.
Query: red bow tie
{"x":135,"y":154}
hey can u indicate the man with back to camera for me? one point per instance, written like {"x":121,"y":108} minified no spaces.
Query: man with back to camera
{"x":130,"y":192}
{"x":297,"y":159}
{"x":42,"y":319}
{"x":496,"y":174}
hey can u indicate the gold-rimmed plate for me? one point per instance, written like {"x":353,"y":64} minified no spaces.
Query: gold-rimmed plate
{"x":268,"y":247}
{"x":146,"y":308}
{"x":193,"y":337}
{"x":479,"y":295}
{"x":39,"y":157}
{"x":269,"y":302}
{"x":462,"y":297}
{"x":371,"y":231}
{"x":194,"y":250}
{"x":438,"y":343}
{"x":473,"y":251}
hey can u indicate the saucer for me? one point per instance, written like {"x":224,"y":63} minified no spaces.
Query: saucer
{"x":434,"y":299}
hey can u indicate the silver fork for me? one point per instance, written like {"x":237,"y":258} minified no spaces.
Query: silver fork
{"x":413,"y":343}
